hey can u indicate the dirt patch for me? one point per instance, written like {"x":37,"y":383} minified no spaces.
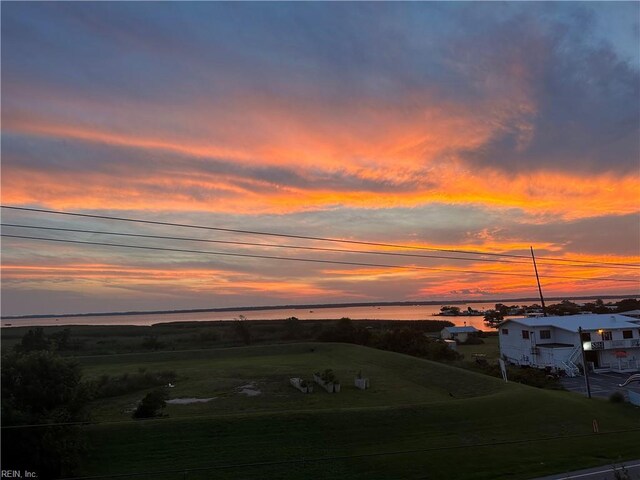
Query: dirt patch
{"x":249,"y":390}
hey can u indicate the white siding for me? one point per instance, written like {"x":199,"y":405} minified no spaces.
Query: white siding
{"x":565,"y":336}
{"x":513,"y":346}
{"x":531,"y":351}
{"x":553,"y":357}
{"x":521,"y":351}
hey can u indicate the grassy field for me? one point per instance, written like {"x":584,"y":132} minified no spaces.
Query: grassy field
{"x":396,"y":379}
{"x":490,"y":349}
{"x":115,"y":339}
{"x":420,"y":419}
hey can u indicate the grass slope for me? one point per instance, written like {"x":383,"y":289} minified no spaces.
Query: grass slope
{"x":409,"y":407}
{"x":396,"y":379}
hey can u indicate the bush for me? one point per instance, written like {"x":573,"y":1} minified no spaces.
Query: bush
{"x":39,"y":388}
{"x":34,"y":341}
{"x":152,"y":404}
{"x":241,"y":327}
{"x":526,"y":375}
{"x":107,"y":386}
{"x":533,"y":377}
{"x":328,"y":376}
{"x":152,"y":343}
{"x":440,"y":351}
{"x":616,"y":397}
{"x":292,"y":328}
{"x":207,"y":336}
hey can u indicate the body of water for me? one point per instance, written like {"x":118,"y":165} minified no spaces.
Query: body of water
{"x":403,"y":312}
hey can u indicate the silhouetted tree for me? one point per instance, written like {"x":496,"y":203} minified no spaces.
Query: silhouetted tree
{"x":493,"y":318}
{"x":152,"y":404}
{"x":628,"y":304}
{"x":33,"y":341}
{"x":61,"y":340}
{"x":292,"y":328}
{"x":41,"y":388}
{"x":242,"y":329}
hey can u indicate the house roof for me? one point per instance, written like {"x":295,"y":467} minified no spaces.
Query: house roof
{"x":571,"y":323}
{"x":461,"y":329}
{"x":631,"y":313}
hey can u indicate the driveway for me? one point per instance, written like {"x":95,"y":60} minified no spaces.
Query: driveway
{"x":602,"y":384}
{"x":607,"y":472}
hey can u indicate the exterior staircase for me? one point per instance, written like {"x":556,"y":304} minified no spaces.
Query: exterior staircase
{"x":569,"y":365}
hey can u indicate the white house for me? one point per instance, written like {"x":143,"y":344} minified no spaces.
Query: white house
{"x":632,"y":313}
{"x":460,"y":334}
{"x":611,"y":342}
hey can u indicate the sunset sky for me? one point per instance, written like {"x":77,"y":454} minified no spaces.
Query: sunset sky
{"x":463,"y":126}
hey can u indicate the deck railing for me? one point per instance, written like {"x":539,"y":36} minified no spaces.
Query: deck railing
{"x":611,"y":344}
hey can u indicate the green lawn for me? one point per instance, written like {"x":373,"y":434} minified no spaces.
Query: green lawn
{"x":442,"y":414}
{"x":396,"y":380}
{"x":490,"y":349}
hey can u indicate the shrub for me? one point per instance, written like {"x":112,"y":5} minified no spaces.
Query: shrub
{"x":34,"y":341}
{"x":107,"y":386}
{"x":533,"y":377}
{"x":241,"y":327}
{"x":616,"y":397}
{"x":152,"y":343}
{"x":292,"y":328}
{"x":528,"y":376}
{"x":328,"y":376}
{"x":440,"y":351}
{"x":42,"y":388}
{"x":207,"y":336}
{"x":152,"y":404}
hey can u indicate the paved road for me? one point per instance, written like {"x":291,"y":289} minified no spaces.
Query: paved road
{"x":606,"y":472}
{"x":602,"y":384}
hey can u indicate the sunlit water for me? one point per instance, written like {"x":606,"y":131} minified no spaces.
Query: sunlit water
{"x":411,"y":312}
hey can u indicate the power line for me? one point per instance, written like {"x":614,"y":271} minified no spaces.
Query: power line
{"x":295,"y":247}
{"x":350,"y":457}
{"x":253,"y":244}
{"x":301,"y":237}
{"x":310,"y":260}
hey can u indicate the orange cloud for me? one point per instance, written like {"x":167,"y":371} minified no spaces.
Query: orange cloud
{"x":408,"y":148}
{"x":540,"y":194}
{"x":109,"y":276}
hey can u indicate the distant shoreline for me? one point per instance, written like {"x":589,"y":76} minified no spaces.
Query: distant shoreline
{"x":313,"y":305}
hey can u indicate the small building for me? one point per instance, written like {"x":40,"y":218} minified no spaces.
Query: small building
{"x":611,"y":342}
{"x":452,"y":345}
{"x":459,"y":334}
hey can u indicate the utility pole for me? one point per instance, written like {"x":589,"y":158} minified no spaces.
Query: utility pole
{"x":584,"y":364}
{"x":535,"y":267}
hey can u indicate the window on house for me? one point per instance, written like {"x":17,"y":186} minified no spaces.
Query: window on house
{"x":586,"y":336}
{"x":627,"y":334}
{"x":525,"y":334}
{"x":505,"y":331}
{"x":545,"y":334}
{"x":606,"y":336}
